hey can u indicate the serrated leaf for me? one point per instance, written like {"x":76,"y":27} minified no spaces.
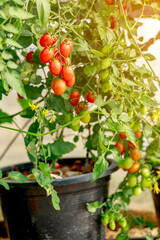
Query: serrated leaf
{"x":16,"y":12}
{"x":55,"y":199}
{"x":12,"y":43}
{"x":17,"y":176}
{"x":90,"y":70}
{"x":101,"y":138}
{"x":19,"y":2}
{"x":43,"y":8}
{"x":92,"y":207}
{"x":148,"y":102}
{"x":12,"y":65}
{"x":100,"y":166}
{"x":130,"y":134}
{"x":97,"y":53}
{"x":106,"y":63}
{"x":124,"y":118}
{"x":4,"y":184}
{"x":60,"y":148}
{"x":10,"y":28}
{"x":147,"y":131}
{"x":5,"y":117}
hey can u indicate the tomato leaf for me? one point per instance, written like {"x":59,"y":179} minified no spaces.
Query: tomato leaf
{"x":60,"y":148}
{"x":92,"y":207}
{"x":4,"y":116}
{"x":43,"y":8}
{"x":148,"y":102}
{"x":17,"y":12}
{"x":130,"y":134}
{"x":10,"y":28}
{"x":100,"y":166}
{"x":4,"y":184}
{"x":17,"y":176}
{"x":55,"y":199}
{"x":90,"y":70}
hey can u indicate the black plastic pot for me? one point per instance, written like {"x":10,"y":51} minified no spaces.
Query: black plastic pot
{"x":30,"y":214}
{"x":156,"y":198}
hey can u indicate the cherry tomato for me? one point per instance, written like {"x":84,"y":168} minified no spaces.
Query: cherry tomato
{"x":123,"y":223}
{"x":75,"y":127}
{"x":55,"y":67}
{"x":20,"y":97}
{"x":80,"y":107}
{"x":47,"y":40}
{"x":112,"y":225}
{"x":67,"y":73}
{"x":138,"y":134}
{"x":71,"y":82}
{"x":46,"y":55}
{"x":135,"y":154}
{"x":65,"y":49}
{"x":66,"y":61}
{"x":70,"y":42}
{"x":57,"y":165}
{"x":120,"y":146}
{"x":143,"y":109}
{"x":137,"y":191}
{"x":132,"y":181}
{"x":56,"y":53}
{"x":74,"y":97}
{"x":145,"y":172}
{"x":125,"y":6}
{"x":109,"y":2}
{"x":122,"y":135}
{"x":135,"y":167}
{"x":128,"y":163}
{"x":131,"y":145}
{"x":58,"y":85}
{"x":130,"y":113}
{"x":113,"y":21}
{"x":86,"y":119}
{"x":146,"y":182}
{"x":105,"y":219}
{"x":91,"y":96}
{"x":29,"y":57}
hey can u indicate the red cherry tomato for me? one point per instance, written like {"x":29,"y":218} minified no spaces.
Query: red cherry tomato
{"x":122,"y":135}
{"x":46,"y":55}
{"x":70,"y":44}
{"x":74,"y":97}
{"x":109,"y":2}
{"x":65,"y":49}
{"x":80,"y":107}
{"x":135,"y":167}
{"x":66,"y":61}
{"x":57,"y":165}
{"x":120,"y":146}
{"x":125,"y":6}
{"x":67,"y":73}
{"x":20,"y":97}
{"x":91,"y":96}
{"x":58,"y":85}
{"x":135,"y":154}
{"x":138,"y":134}
{"x":71,"y":82}
{"x":29,"y":57}
{"x":131,"y":145}
{"x":113,"y":21}
{"x":55,"y":67}
{"x":47,"y":40}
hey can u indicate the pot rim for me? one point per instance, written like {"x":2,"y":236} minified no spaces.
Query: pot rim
{"x":64,"y":181}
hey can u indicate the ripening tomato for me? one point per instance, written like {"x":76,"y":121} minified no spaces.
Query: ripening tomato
{"x":86,"y":119}
{"x":71,"y":82}
{"x":138,"y":134}
{"x":20,"y":97}
{"x":145,"y":172}
{"x":46,"y":55}
{"x":70,"y":42}
{"x":47,"y":40}
{"x":29,"y":57}
{"x":122,"y":135}
{"x":109,"y":2}
{"x":146,"y":182}
{"x":58,"y":85}
{"x":143,"y":110}
{"x":91,"y":96}
{"x":112,"y":225}
{"x":135,"y":154}
{"x":80,"y":107}
{"x":135,"y":167}
{"x":57,"y":165}
{"x":125,"y":6}
{"x":131,"y":145}
{"x":66,"y":61}
{"x":65,"y":49}
{"x":67,"y":73}
{"x":137,"y":191}
{"x":127,"y":163}
{"x":75,"y":127}
{"x":74,"y":97}
{"x":113,"y":22}
{"x":132,"y":181}
{"x":120,"y":146}
{"x":55,"y":67}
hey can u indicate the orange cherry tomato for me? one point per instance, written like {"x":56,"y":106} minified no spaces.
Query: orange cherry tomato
{"x":58,"y":85}
{"x":138,"y":134}
{"x":120,"y":146}
{"x":135,"y":154}
{"x":122,"y":135}
{"x":135,"y":167}
{"x":131,"y":145}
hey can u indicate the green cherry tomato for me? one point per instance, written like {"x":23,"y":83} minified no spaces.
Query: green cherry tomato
{"x":128,"y":163}
{"x":75,"y":127}
{"x":107,"y":86}
{"x":146,"y":182}
{"x":137,"y":191}
{"x":68,"y":117}
{"x":130,"y":113}
{"x":112,"y":225}
{"x":132,"y":181}
{"x":104,"y":74}
{"x":125,"y":229}
{"x":123,"y":223}
{"x":105,"y":219}
{"x":143,"y":109}
{"x":145,"y":172}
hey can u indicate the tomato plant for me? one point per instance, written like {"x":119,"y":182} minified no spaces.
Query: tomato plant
{"x":46,"y":55}
{"x":55,"y":67}
{"x":47,"y":40}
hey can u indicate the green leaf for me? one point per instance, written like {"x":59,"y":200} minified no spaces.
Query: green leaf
{"x":12,"y":65}
{"x":24,"y":103}
{"x":124,"y":118}
{"x":99,"y":100}
{"x":6,"y":55}
{"x":33,"y":92}
{"x":60,"y":148}
{"x":149,"y":57}
{"x":128,"y":82}
{"x":55,"y":199}
{"x":147,"y":131}
{"x":14,"y":81}
{"x":100,"y":166}
{"x":101,"y":139}
{"x":43,"y":180}
{"x":130,"y":134}
{"x":12,"y":43}
{"x":10,"y":28}
{"x":44,"y":168}
{"x":153,"y":146}
{"x":92,"y":207}
{"x":97,"y":53}
{"x":4,"y":184}
{"x":90,"y":70}
{"x":1,"y":174}
{"x":19,"y":2}
{"x":106,"y":63}
{"x":148,"y":102}
{"x":32,"y":150}
{"x":17,"y":176}
{"x":56,"y":103}
{"x":116,"y":154}
{"x":113,"y":126}
{"x":16,"y":12}
{"x":3,"y":115}
{"x":43,"y":8}
{"x":35,"y":79}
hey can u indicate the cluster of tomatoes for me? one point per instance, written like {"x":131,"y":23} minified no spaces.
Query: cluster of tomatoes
{"x":80,"y":106}
{"x":113,"y":19}
{"x":131,"y":163}
{"x":59,"y":62}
